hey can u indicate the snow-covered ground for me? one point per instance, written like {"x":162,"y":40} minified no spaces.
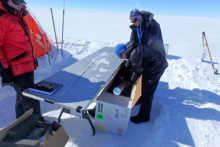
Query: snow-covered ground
{"x":186,"y":106}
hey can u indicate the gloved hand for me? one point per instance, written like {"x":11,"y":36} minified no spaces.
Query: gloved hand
{"x":1,"y":67}
{"x":127,"y":89}
{"x":129,"y":85}
{"x":7,"y":77}
{"x":125,"y":73}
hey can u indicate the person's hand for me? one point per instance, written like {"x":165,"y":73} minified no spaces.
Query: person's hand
{"x":7,"y":77}
{"x":127,"y":89}
{"x":125,"y":73}
{"x":1,"y":68}
{"x":128,"y":85}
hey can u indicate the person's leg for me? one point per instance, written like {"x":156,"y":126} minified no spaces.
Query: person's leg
{"x":23,"y":82}
{"x":18,"y":107}
{"x":149,"y":85}
{"x":139,"y":101}
{"x":28,"y":104}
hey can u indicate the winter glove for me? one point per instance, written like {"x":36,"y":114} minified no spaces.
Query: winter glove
{"x":7,"y":77}
{"x":127,"y":89}
{"x":1,"y":68}
{"x":129,"y":85}
{"x":126,"y":73}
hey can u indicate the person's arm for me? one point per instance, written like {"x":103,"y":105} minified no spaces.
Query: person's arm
{"x":130,"y":46}
{"x":5,"y":69}
{"x":154,"y":35}
{"x":133,"y":36}
{"x":3,"y":62}
{"x":152,"y":49}
{"x":136,"y":62}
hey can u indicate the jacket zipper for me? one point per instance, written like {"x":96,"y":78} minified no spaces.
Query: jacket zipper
{"x":25,"y":31}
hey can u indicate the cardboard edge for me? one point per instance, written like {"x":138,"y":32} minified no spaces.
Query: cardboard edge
{"x":59,"y":139}
{"x":4,"y":131}
{"x":105,"y":87}
{"x":113,"y":99}
{"x":136,"y":91}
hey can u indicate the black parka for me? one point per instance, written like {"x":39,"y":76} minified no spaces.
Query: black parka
{"x":149,"y":55}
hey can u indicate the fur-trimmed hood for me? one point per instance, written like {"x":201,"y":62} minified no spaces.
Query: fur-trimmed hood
{"x":147,"y":16}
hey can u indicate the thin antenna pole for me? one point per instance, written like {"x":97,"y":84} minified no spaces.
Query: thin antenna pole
{"x":35,"y":18}
{"x":48,"y":53}
{"x":54,"y":29}
{"x":63,"y":27}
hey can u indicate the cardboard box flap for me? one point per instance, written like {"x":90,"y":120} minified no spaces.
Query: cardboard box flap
{"x":4,"y":131}
{"x":59,"y":139}
{"x":115,"y":99}
{"x":136,"y":91}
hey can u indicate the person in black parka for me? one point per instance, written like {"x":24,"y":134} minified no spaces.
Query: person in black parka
{"x":145,"y":54}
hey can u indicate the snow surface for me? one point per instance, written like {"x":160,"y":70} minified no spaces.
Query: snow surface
{"x":186,"y":106}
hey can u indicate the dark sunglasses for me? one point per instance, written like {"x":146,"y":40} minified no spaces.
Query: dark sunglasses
{"x":120,"y":56}
{"x":18,"y":3}
{"x":134,"y":20}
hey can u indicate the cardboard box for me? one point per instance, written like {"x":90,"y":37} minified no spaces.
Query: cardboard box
{"x":113,"y":112}
{"x":11,"y":139}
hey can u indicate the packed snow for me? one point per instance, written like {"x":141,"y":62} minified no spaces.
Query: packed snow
{"x":186,"y":106}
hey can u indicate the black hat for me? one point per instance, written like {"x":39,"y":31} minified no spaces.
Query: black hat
{"x":18,"y":1}
{"x":5,"y":2}
{"x":9,"y":9}
{"x":135,"y":13}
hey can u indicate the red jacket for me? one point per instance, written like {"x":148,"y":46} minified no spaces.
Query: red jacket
{"x":16,"y":48}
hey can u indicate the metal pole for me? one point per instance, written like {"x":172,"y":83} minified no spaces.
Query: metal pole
{"x":204,"y":52}
{"x":206,"y":43}
{"x":54,"y":29}
{"x":72,"y":44}
{"x":63,"y":27}
{"x":48,"y":53}
{"x":207,"y":47}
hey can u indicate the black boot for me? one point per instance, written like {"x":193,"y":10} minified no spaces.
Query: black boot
{"x":138,"y":119}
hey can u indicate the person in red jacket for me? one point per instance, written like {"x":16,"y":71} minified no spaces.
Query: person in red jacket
{"x":17,"y":56}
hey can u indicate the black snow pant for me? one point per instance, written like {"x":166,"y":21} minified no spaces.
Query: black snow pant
{"x":23,"y":103}
{"x":149,"y":85}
